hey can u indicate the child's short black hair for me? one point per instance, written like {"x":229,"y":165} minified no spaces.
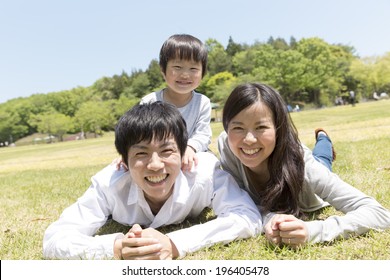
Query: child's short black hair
{"x":185,"y":47}
{"x":145,"y":122}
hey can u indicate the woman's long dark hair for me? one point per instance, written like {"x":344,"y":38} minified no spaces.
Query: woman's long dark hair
{"x":285,"y":164}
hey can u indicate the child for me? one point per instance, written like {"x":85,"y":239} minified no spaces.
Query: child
{"x":183,"y":62}
{"x":151,"y":139}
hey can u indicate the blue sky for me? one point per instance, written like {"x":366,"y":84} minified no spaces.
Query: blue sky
{"x":49,"y":46}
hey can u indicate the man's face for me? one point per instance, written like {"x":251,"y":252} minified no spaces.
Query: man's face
{"x":154,"y":167}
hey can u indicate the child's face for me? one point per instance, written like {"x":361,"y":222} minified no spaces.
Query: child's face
{"x":183,"y":76}
{"x":154,"y":167}
{"x":252,"y":136}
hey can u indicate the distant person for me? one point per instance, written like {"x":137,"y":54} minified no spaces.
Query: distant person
{"x":261,"y":149}
{"x":183,"y":63}
{"x":339,"y":101}
{"x":152,"y":139}
{"x":352,"y":97}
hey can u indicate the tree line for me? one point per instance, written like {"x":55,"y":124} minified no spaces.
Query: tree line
{"x":310,"y":71}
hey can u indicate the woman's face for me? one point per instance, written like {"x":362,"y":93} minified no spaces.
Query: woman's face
{"x":252,"y":136}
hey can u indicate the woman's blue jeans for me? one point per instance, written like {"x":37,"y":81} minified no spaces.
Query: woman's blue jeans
{"x":323,"y":151}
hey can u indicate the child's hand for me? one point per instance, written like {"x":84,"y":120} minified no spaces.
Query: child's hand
{"x":118,"y":162}
{"x":189,"y":159}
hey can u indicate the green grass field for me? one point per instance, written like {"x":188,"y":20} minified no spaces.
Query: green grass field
{"x":38,"y":181}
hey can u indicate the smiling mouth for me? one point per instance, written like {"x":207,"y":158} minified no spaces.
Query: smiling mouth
{"x":250,"y":151}
{"x":156,"y":179}
{"x":184,"y":82}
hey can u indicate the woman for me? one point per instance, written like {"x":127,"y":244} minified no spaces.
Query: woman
{"x":261,"y":149}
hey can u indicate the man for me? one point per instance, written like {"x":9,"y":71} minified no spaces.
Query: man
{"x":151,"y":138}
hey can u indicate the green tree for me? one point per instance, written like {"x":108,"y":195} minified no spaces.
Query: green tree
{"x":232,"y":47}
{"x":278,"y":43}
{"x":27,"y":107}
{"x":67,"y":102}
{"x":383,"y":70}
{"x":221,"y":85}
{"x":10,"y":127}
{"x":217,"y":82}
{"x":321,"y":69}
{"x":281,"y":69}
{"x":140,"y":85}
{"x":111,"y":87}
{"x":154,"y":75}
{"x":293,"y":42}
{"x":265,"y":61}
{"x":373,"y":74}
{"x":119,"y":107}
{"x":94,"y":116}
{"x":218,"y":59}
{"x":243,"y":62}
{"x":52,"y":123}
